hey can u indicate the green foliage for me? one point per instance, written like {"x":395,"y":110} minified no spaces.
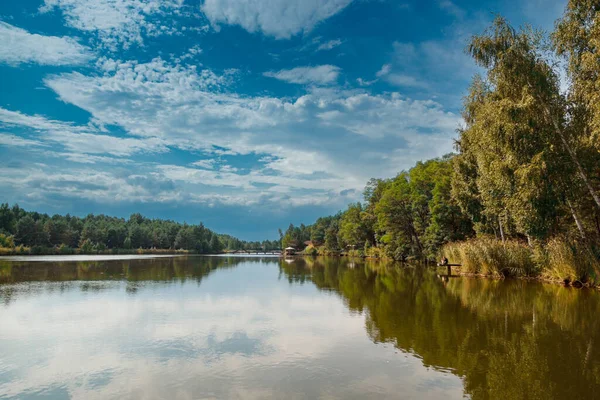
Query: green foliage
{"x":7,"y":219}
{"x":86,"y":246}
{"x":576,"y":40}
{"x":64,"y":249}
{"x":412,"y":215}
{"x":311,"y":251}
{"x":353,"y":229}
{"x":331,"y":242}
{"x":6,"y":241}
{"x":509,"y":141}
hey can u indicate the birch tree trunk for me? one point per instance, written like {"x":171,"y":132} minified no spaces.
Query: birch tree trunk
{"x":573,"y":155}
{"x":501,"y":230}
{"x":576,"y":218}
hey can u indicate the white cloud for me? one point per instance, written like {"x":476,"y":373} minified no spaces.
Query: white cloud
{"x":228,"y":168}
{"x":39,"y":181}
{"x":36,"y":122}
{"x":311,"y":148}
{"x":279,"y":18}
{"x":207,"y":164}
{"x":405,"y":80}
{"x":329,"y":45}
{"x":320,"y":75}
{"x":83,"y":158}
{"x":116,"y":22}
{"x":190,"y":54}
{"x":78,"y":139}
{"x":385,"y":69}
{"x":397,"y":79}
{"x":363,"y":82}
{"x":17,"y":141}
{"x":88,"y":143}
{"x":19,"y":46}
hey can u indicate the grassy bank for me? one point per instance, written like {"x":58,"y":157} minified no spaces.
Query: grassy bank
{"x":557,"y":260}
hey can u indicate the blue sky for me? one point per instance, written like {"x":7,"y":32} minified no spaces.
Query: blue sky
{"x":246,"y":115}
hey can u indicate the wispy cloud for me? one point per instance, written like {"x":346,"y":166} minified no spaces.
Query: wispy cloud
{"x":206,"y":164}
{"x":78,"y":139}
{"x":7,"y":139}
{"x":364,"y":82}
{"x":320,"y":75}
{"x":385,"y":70}
{"x":329,"y":44}
{"x":398,"y":79}
{"x":452,"y":9}
{"x":19,"y":46}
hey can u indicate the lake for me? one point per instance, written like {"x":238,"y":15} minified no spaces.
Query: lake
{"x":266,"y":328}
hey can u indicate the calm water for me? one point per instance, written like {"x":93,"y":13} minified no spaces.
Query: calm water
{"x":236,"y":328}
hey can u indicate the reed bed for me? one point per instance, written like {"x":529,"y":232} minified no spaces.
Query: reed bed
{"x":570,"y":261}
{"x":558,"y":259}
{"x":492,"y":257}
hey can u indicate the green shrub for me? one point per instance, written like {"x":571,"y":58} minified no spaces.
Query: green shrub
{"x":40,"y":250}
{"x":86,"y":247}
{"x":64,"y":249}
{"x":99,"y":247}
{"x":375,"y":252}
{"x":7,"y":241}
{"x":311,"y":251}
{"x":354,"y":253}
{"x":323,"y":251}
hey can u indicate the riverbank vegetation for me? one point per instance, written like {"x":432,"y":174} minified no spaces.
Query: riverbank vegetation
{"x":521,"y":195}
{"x":23,"y":232}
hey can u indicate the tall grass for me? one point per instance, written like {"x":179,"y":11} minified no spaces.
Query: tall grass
{"x":569,"y":261}
{"x":558,"y":259}
{"x":492,"y":257}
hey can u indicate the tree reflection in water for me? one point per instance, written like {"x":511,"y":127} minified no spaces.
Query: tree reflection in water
{"x":506,"y":339}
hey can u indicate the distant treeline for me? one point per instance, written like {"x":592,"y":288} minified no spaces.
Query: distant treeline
{"x":32,"y":232}
{"x":527,"y":167}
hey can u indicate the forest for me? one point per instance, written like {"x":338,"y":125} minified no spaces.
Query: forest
{"x":23,"y":232}
{"x":521,"y":193}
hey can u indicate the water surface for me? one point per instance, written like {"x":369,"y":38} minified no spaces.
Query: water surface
{"x":255,"y":328}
